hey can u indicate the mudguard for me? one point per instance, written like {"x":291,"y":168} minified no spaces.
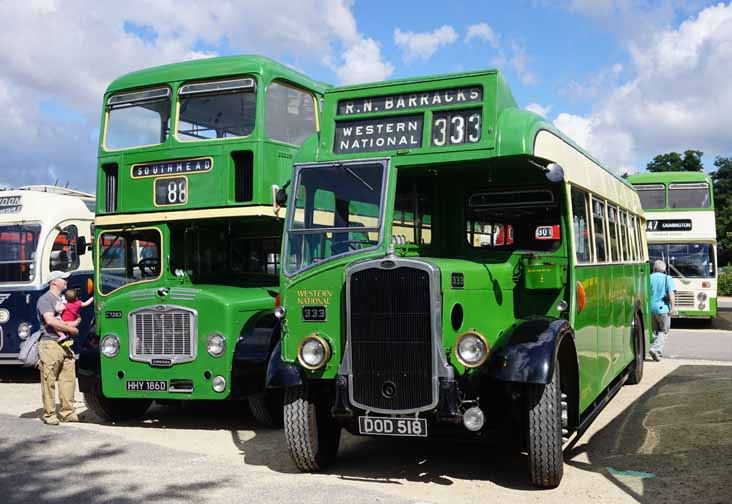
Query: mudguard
{"x":530,"y":352}
{"x":282,"y":374}
{"x":257,"y":341}
{"x":88,"y":367}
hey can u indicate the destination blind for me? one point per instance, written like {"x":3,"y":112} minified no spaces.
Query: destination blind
{"x":451,"y":127}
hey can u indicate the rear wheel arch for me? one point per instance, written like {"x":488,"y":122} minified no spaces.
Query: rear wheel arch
{"x":567,"y":360}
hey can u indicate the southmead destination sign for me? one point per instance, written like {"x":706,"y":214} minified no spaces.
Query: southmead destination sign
{"x":406,"y":101}
{"x":178,"y":167}
{"x":383,"y":133}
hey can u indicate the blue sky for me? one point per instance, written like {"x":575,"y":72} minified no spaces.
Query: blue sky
{"x":627,"y":79}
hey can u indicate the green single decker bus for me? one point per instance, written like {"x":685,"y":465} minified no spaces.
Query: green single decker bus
{"x":682,"y":232}
{"x":187,"y":241}
{"x":454,"y":266}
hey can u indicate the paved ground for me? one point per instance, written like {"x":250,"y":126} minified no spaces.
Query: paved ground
{"x":698,"y":339}
{"x":666,"y":440}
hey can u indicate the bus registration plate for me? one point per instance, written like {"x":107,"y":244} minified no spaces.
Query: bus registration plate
{"x":380,"y":426}
{"x":147,"y":385}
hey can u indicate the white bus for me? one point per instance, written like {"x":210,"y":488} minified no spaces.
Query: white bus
{"x":681,"y":231}
{"x":42,"y":229}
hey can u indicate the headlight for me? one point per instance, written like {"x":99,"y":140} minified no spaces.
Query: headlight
{"x":216,"y":345}
{"x":471,"y":349}
{"x":219,"y":384}
{"x":702,"y":296}
{"x":279,"y":312}
{"x":24,"y":330}
{"x":110,"y":345}
{"x":313,"y":353}
{"x":4,"y":315}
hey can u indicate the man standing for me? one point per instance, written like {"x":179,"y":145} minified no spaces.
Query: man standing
{"x":662,"y":305}
{"x":56,"y":362}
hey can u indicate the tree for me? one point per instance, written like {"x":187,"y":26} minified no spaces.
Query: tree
{"x":722,"y":179}
{"x":673,"y":161}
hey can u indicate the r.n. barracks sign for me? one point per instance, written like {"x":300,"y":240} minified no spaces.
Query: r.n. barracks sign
{"x":406,"y":101}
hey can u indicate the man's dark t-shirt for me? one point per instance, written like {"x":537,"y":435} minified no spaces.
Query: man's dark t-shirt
{"x":47,"y":304}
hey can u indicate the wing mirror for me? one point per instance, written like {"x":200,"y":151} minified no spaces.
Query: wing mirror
{"x":554,"y":172}
{"x":279,"y":197}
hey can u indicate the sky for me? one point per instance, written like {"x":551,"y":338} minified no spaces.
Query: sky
{"x":626,"y":79}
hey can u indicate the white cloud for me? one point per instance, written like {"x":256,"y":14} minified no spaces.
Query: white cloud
{"x":519,"y":61}
{"x":539,"y":109}
{"x":482,"y":32}
{"x":67,"y":53}
{"x":424,"y":44}
{"x":678,"y":98}
{"x":363,"y":63}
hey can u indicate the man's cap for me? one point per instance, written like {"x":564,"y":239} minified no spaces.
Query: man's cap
{"x":58,"y":274}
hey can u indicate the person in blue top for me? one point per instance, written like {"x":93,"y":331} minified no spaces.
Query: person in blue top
{"x":662,"y":305}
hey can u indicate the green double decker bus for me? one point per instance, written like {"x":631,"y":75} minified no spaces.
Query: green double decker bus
{"x":187,"y":240}
{"x":454,"y":266}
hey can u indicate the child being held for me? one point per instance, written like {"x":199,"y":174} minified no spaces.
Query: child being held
{"x":71,"y":309}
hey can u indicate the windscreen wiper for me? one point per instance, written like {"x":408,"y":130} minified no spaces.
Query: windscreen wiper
{"x":356,"y":176}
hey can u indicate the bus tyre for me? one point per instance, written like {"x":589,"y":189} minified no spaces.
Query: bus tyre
{"x":635,"y":370}
{"x":267,"y":408}
{"x":546,"y":462}
{"x":312,"y":434}
{"x":115,"y":410}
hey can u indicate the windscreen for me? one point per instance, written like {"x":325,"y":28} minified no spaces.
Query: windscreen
{"x":220,"y":109}
{"x":696,"y":195}
{"x":337,"y":210}
{"x":18,"y":244}
{"x":652,"y":196}
{"x":138,"y":119}
{"x":128,"y":257}
{"x":694,"y":260}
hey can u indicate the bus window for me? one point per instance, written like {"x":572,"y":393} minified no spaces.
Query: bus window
{"x":128,"y":257}
{"x":639,"y":241}
{"x":219,"y":109}
{"x":64,"y":256}
{"x":581,"y":226}
{"x":413,"y":210}
{"x":612,"y":219}
{"x":289,"y":114}
{"x":652,"y":196}
{"x":695,"y":195}
{"x":694,"y":260}
{"x":630,"y":232}
{"x":624,"y":241}
{"x":598,"y":222}
{"x":137,"y":119}
{"x":18,"y":245}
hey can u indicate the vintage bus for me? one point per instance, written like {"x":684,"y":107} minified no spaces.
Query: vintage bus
{"x":188,"y":243}
{"x":454,"y":266}
{"x":681,"y":231}
{"x":42,"y":229}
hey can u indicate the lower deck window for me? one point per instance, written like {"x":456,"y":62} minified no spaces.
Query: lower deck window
{"x":127,"y":257}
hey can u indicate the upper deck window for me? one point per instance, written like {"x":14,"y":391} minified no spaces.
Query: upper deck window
{"x":18,"y":244}
{"x":652,"y":196}
{"x":220,"y":109}
{"x":137,"y":119}
{"x":689,"y":195}
{"x":290,"y":114}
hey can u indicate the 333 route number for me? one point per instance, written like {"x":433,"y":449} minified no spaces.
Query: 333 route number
{"x":171,"y":191}
{"x":456,"y":127}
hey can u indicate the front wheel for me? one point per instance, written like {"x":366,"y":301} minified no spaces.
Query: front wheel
{"x":546,"y":461}
{"x":115,"y":410}
{"x":267,"y":408}
{"x":312,"y":434}
{"x":635,"y":371}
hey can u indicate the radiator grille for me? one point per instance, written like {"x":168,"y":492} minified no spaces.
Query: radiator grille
{"x":163,"y":335}
{"x":684,"y":298}
{"x":391,"y":338}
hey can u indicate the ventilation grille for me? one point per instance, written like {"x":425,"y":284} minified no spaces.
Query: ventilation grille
{"x":110,"y":187}
{"x":243,"y":175}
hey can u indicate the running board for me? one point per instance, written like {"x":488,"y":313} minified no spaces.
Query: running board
{"x":597,"y":406}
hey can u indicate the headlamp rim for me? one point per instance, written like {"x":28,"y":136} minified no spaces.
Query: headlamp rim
{"x":322,"y":341}
{"x":486,"y":354}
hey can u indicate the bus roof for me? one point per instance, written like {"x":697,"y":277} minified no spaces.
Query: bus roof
{"x":512,"y":131}
{"x":669,"y":177}
{"x":210,"y":68}
{"x":46,"y":204}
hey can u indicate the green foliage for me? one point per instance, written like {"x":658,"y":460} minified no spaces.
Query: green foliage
{"x":724,"y":282}
{"x":673,"y":161}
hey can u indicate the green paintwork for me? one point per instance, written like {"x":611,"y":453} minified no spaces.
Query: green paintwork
{"x":671,"y":178}
{"x":222,"y":309}
{"x":501,"y":287}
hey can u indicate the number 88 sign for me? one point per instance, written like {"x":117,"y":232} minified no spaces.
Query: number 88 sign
{"x":171,"y":191}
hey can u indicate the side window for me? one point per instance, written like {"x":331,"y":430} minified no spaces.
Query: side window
{"x":639,"y":234}
{"x":632,"y":247}
{"x":412,"y":222}
{"x":598,"y":221}
{"x":581,"y":226}
{"x":289,"y":115}
{"x":64,"y":256}
{"x":624,"y":236}
{"x":612,"y":219}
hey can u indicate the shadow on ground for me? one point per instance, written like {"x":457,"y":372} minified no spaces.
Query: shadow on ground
{"x":17,"y":374}
{"x":674,"y":443}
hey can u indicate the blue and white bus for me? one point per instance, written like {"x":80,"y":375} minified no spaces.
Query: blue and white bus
{"x":42,"y":229}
